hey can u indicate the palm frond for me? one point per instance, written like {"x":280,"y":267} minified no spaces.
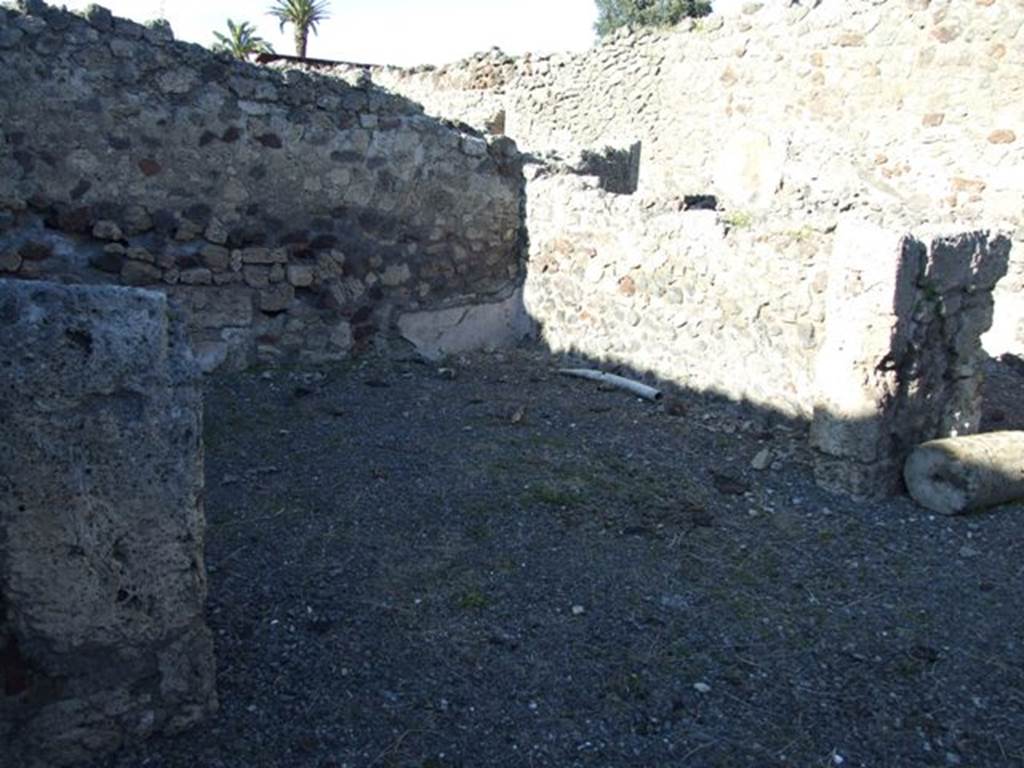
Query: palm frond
{"x":302,"y":14}
{"x":240,"y":41}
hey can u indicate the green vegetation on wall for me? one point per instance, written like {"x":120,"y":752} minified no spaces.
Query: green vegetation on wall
{"x":613,"y":14}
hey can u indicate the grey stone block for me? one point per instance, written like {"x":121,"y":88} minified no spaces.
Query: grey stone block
{"x":102,"y":582}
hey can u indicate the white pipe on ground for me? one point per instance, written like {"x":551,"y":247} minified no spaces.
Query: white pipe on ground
{"x":638,"y":389}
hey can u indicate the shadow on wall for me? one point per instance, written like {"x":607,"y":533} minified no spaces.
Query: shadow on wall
{"x":902,"y":343}
{"x":618,"y":169}
{"x":431,"y":215}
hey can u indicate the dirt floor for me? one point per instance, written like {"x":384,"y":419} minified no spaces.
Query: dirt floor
{"x":488,"y":564}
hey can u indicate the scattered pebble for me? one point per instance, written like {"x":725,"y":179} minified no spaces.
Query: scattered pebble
{"x":641,"y":487}
{"x":762,"y":460}
{"x":675,"y":601}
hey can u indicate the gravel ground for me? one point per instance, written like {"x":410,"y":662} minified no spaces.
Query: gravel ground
{"x":493,"y":565}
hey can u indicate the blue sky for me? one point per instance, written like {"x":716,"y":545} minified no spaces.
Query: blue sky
{"x":405,"y":32}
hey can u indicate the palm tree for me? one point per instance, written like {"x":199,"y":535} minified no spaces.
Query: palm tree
{"x":240,"y":41}
{"x":304,"y":15}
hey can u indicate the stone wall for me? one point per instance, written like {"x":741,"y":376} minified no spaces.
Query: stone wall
{"x":292,"y":214}
{"x":706,"y":301}
{"x":102,"y":581}
{"x":871,"y":333}
{"x":900,"y":360}
{"x":909,"y":105}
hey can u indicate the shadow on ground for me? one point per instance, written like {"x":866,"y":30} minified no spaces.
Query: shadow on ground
{"x":487,"y":564}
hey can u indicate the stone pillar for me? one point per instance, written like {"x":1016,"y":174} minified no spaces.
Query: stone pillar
{"x":102,"y":583}
{"x":899,"y":364}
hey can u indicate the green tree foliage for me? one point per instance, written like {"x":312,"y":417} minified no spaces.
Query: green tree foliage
{"x":613,"y":14}
{"x":303,"y":15}
{"x":240,"y":41}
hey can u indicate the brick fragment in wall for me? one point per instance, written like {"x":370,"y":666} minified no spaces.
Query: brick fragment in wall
{"x":276,"y":298}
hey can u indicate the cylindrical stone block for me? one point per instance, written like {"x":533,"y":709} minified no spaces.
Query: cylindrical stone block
{"x":963,"y":474}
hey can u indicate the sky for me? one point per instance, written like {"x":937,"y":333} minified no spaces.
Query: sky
{"x":404,"y":32}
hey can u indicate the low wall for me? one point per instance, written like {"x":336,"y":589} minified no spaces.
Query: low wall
{"x":102,"y":581}
{"x":292,"y":214}
{"x":704,"y":301}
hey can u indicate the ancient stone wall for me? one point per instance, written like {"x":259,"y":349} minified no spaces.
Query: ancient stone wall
{"x":912,"y":105}
{"x":102,"y":581}
{"x":293,"y":214}
{"x":696,"y":298}
{"x":900,"y":361}
{"x":870,"y":332}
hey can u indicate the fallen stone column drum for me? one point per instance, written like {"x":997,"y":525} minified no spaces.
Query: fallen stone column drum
{"x":963,"y":474}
